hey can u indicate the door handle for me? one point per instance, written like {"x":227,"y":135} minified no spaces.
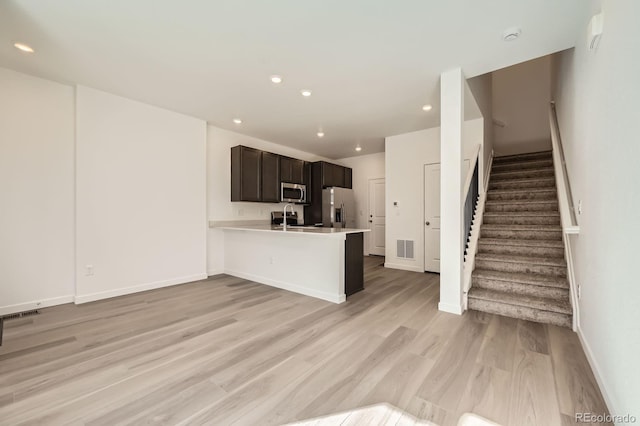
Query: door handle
{"x":427,"y":223}
{"x":370,"y":221}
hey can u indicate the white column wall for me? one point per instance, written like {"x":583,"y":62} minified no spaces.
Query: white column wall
{"x":451,"y":138}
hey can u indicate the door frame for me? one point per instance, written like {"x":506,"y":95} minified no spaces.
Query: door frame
{"x":369,"y":221}
{"x":424,"y":213}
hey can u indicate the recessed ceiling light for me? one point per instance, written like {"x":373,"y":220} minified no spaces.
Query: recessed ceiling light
{"x":306,"y":93}
{"x":23,"y":47}
{"x":276,"y":79}
{"x":427,"y":108}
{"x":358,"y":148}
{"x":237,"y":121}
{"x":320,"y":134}
{"x":511,"y":34}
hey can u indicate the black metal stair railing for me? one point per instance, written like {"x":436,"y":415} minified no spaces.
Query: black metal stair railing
{"x":469,"y":208}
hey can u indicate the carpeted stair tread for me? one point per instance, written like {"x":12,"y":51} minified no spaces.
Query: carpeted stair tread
{"x":522,"y":157}
{"x":531,"y":279}
{"x":536,"y":163}
{"x":526,"y":243}
{"x":551,"y":205}
{"x":512,"y":258}
{"x":521,"y":174}
{"x":534,"y":182}
{"x":521,"y":312}
{"x":524,"y":214}
{"x":511,"y":227}
{"x":562,"y":305}
{"x":522,"y":190}
{"x":522,"y":218}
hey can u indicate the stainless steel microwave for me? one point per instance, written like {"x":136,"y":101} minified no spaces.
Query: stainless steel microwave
{"x":293,"y":193}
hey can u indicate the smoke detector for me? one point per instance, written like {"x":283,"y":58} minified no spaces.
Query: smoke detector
{"x":511,"y":34}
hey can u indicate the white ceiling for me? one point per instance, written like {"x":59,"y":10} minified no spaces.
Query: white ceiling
{"x":371,"y":64}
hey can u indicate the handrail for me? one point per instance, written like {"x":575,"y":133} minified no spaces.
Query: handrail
{"x":568,"y":216}
{"x":565,"y":198}
{"x":467,"y":181}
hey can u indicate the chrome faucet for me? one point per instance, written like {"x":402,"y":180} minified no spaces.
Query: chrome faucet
{"x":284,"y":216}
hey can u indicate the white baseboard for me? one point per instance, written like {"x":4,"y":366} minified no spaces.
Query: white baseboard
{"x":329,"y":297}
{"x":213,"y":272}
{"x":448,"y":307}
{"x":596,"y":372}
{"x":403,"y":267}
{"x":35,"y":304}
{"x":91,"y":297}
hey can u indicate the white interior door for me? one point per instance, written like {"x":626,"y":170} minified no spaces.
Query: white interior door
{"x":432,"y":217}
{"x":376,"y":216}
{"x":432,"y":214}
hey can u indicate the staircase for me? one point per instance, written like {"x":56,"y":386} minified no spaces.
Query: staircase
{"x":520,"y":270}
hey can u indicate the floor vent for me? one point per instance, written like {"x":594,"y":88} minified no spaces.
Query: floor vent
{"x":20,"y":315}
{"x":404,"y":249}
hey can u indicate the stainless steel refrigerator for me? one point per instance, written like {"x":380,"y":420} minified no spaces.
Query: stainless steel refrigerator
{"x":338,"y":208}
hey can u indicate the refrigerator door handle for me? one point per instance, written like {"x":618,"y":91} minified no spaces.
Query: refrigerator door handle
{"x":344,"y":216}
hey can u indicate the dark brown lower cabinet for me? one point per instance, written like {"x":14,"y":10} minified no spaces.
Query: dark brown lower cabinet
{"x":353,"y":264}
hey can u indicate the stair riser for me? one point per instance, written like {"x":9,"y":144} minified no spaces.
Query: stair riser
{"x":523,"y":157}
{"x":521,"y":207}
{"x":519,"y":165}
{"x":519,"y":288}
{"x":523,"y":268}
{"x":554,"y":252}
{"x":522,"y":196}
{"x":520,"y":235}
{"x":522,"y":174}
{"x":510,"y":184}
{"x":521,"y":220}
{"x":530,"y":314}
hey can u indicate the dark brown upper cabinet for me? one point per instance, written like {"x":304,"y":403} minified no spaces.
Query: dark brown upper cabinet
{"x":348,"y":177}
{"x":246,"y":173}
{"x":292,"y":170}
{"x":255,"y":175}
{"x":335,"y":175}
{"x":270,"y":184}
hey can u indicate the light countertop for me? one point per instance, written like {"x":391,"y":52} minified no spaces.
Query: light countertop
{"x":294,"y":230}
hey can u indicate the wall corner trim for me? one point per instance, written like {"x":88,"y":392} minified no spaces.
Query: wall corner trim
{"x":452,"y":309}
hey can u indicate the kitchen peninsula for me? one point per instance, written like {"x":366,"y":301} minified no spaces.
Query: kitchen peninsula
{"x":326,"y":263}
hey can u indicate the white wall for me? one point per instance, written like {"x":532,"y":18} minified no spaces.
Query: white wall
{"x":596,"y":97}
{"x":36,"y":192}
{"x":365,"y":167}
{"x":521,"y":96}
{"x":220,"y":208}
{"x":141,"y":196}
{"x":482,"y":87}
{"x":405,"y":157}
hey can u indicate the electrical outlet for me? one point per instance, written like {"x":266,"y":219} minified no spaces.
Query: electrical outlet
{"x":88,"y":270}
{"x":240,"y":212}
{"x":271,"y":260}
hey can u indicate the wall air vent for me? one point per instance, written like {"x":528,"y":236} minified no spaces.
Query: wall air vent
{"x":404,"y":249}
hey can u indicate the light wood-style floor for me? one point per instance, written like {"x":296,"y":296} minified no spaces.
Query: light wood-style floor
{"x":226,"y":350}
